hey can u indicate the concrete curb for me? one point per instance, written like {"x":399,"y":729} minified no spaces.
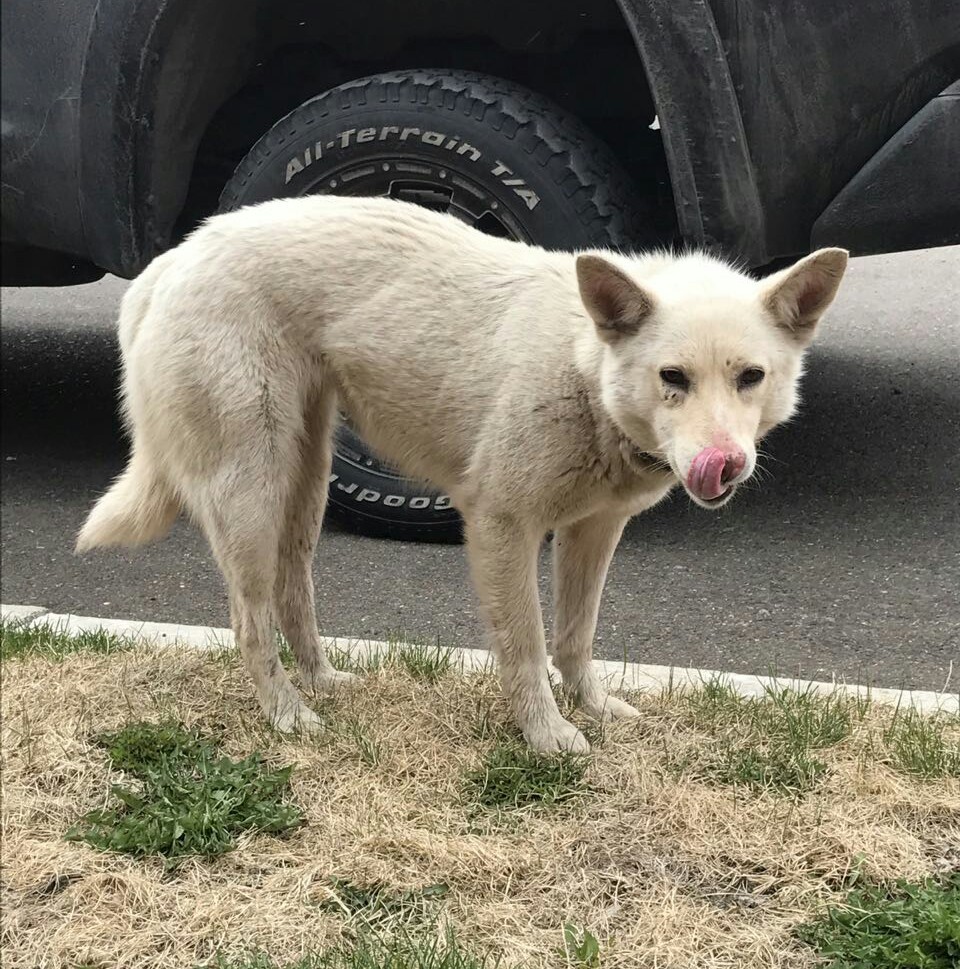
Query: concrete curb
{"x":21,"y":613}
{"x":619,"y":676}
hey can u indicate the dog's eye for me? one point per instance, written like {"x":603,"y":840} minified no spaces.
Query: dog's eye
{"x":674,"y":377}
{"x":750,"y":377}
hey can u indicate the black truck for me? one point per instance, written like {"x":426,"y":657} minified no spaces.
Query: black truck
{"x":760,"y":128}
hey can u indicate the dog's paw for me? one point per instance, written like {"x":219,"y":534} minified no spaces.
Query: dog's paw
{"x":604,"y":707}
{"x":559,"y":734}
{"x":335,"y":682}
{"x":297,"y":718}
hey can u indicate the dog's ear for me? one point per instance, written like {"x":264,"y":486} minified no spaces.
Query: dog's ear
{"x":797,"y":297}
{"x":616,"y":303}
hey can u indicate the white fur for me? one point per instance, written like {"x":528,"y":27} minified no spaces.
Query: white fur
{"x":468,"y":361}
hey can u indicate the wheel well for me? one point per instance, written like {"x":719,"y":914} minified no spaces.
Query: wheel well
{"x":586,"y":62}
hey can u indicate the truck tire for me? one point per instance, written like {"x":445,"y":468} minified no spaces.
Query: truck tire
{"x":495,"y":155}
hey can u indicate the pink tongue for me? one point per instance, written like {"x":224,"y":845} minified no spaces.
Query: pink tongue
{"x":706,"y":471}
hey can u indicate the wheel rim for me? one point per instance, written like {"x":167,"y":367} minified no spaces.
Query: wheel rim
{"x":422,"y":181}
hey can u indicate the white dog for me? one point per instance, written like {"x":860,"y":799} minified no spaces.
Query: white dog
{"x":543,"y":391}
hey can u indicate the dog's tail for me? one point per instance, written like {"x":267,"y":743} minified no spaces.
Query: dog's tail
{"x":140,"y":507}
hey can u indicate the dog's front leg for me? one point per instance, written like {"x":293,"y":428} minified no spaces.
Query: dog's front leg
{"x":503,"y":559}
{"x":581,"y":556}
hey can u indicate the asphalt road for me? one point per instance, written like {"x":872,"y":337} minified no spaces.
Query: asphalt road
{"x":845,"y":562}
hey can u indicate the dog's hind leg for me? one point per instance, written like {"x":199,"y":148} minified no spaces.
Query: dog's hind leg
{"x":241,"y":514}
{"x":581,"y":555}
{"x":293,"y":591}
{"x":503,"y":559}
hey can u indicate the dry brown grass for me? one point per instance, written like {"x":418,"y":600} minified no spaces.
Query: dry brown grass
{"x":664,"y":870}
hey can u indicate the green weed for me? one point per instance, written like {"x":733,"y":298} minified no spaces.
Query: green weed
{"x":190,"y":800}
{"x":903,"y":926}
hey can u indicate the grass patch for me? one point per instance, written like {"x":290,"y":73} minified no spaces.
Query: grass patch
{"x":368,"y":747}
{"x":19,"y":641}
{"x":922,"y":745}
{"x":793,"y":719}
{"x":191,"y":800}
{"x":767,"y":742}
{"x":906,"y":925}
{"x":658,"y":866}
{"x":377,"y":906}
{"x":778,"y":769}
{"x":403,"y":951}
{"x":426,"y":663}
{"x":513,"y":776}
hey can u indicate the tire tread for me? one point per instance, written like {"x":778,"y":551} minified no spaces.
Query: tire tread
{"x":612,"y":210}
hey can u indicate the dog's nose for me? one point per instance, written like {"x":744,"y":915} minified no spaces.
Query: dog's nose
{"x":734,"y":461}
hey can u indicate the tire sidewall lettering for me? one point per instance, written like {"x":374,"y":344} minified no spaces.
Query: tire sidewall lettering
{"x":367,"y":496}
{"x":324,"y":148}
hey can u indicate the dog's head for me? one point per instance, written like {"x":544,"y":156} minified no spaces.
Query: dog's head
{"x":700,"y":361}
